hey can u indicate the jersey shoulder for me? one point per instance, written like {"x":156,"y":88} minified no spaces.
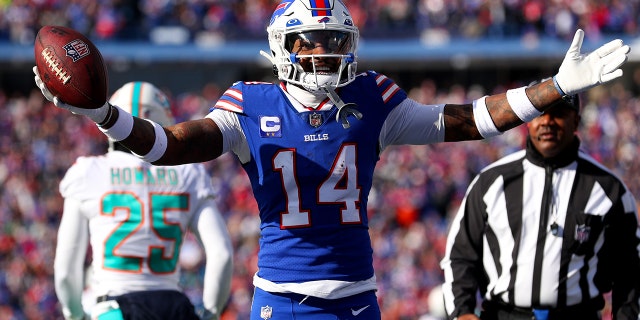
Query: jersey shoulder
{"x":233,"y":98}
{"x":78,"y":176}
{"x":379,"y":84}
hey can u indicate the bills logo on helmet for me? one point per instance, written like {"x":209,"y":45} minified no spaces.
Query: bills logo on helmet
{"x":280,"y":9}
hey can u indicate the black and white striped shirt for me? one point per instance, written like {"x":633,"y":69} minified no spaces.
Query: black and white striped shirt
{"x":544,"y":234}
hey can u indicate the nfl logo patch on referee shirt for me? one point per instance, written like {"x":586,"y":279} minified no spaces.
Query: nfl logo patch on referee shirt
{"x":582,"y":233}
{"x":266,"y":312}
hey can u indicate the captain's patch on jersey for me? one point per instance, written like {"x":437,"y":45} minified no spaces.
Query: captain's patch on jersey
{"x":270,"y":127}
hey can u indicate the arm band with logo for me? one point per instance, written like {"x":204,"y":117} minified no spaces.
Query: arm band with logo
{"x":122,"y":128}
{"x":521,"y":105}
{"x":159,"y":146}
{"x":484,"y":123}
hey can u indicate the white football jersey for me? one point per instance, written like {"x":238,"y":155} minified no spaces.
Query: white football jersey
{"x":138,"y":215}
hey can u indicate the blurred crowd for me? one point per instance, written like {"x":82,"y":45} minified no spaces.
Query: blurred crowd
{"x":212,"y":21}
{"x":416,"y":191}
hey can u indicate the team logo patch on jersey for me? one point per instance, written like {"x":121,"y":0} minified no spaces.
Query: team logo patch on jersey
{"x":582,"y":233}
{"x":266,"y":312}
{"x":76,"y":49}
{"x":270,"y":127}
{"x":315,"y":119}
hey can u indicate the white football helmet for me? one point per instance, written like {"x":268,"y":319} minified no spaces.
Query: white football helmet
{"x":328,"y":22}
{"x":143,"y":100}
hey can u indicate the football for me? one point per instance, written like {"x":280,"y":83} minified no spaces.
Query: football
{"x":71,"y":67}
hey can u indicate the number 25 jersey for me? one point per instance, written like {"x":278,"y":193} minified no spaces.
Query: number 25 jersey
{"x":138,"y":216}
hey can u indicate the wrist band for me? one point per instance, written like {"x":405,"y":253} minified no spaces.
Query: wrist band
{"x":107,"y":117}
{"x":521,"y":105}
{"x":159,"y":146}
{"x":484,"y":123}
{"x":122,"y":128}
{"x":555,"y":83}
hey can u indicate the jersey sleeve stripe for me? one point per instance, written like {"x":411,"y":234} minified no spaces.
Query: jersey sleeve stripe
{"x":390,"y":92}
{"x":231,"y":100}
{"x":228,"y":105}
{"x":233,"y":94}
{"x":391,"y":87}
{"x":380,"y":79}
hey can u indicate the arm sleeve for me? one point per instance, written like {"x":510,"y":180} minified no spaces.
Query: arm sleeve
{"x":71,"y":248}
{"x":211,"y":231}
{"x":232,"y":134}
{"x":462,"y":264}
{"x":413,"y":123}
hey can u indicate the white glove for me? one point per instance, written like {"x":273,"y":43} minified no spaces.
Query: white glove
{"x":97,"y":115}
{"x":579,"y":72}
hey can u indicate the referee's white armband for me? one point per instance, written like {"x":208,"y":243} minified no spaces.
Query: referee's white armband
{"x":122,"y":128}
{"x":521,"y":105}
{"x":484,"y":123}
{"x":159,"y":146}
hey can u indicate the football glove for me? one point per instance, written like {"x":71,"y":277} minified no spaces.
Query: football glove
{"x":579,"y":72}
{"x":97,"y":115}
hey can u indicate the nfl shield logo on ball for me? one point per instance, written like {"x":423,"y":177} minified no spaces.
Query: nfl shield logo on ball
{"x":265,"y":312}
{"x":76,"y":49}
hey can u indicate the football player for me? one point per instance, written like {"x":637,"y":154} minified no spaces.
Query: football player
{"x":135,"y":217}
{"x":310,"y":144}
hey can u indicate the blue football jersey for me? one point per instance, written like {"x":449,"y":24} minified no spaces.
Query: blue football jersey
{"x":311,"y":178}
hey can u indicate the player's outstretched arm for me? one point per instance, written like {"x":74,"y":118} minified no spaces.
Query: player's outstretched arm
{"x":492,"y":115}
{"x":187,"y":142}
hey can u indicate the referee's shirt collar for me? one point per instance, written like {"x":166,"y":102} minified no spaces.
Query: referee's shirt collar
{"x":563,"y":159}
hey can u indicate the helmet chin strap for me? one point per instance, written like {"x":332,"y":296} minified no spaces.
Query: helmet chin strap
{"x":344,"y":109}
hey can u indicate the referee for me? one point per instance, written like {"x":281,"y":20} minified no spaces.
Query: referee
{"x":543,"y":233}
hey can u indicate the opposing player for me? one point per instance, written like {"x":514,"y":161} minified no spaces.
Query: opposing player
{"x":310,"y":143}
{"x":135,"y":216}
